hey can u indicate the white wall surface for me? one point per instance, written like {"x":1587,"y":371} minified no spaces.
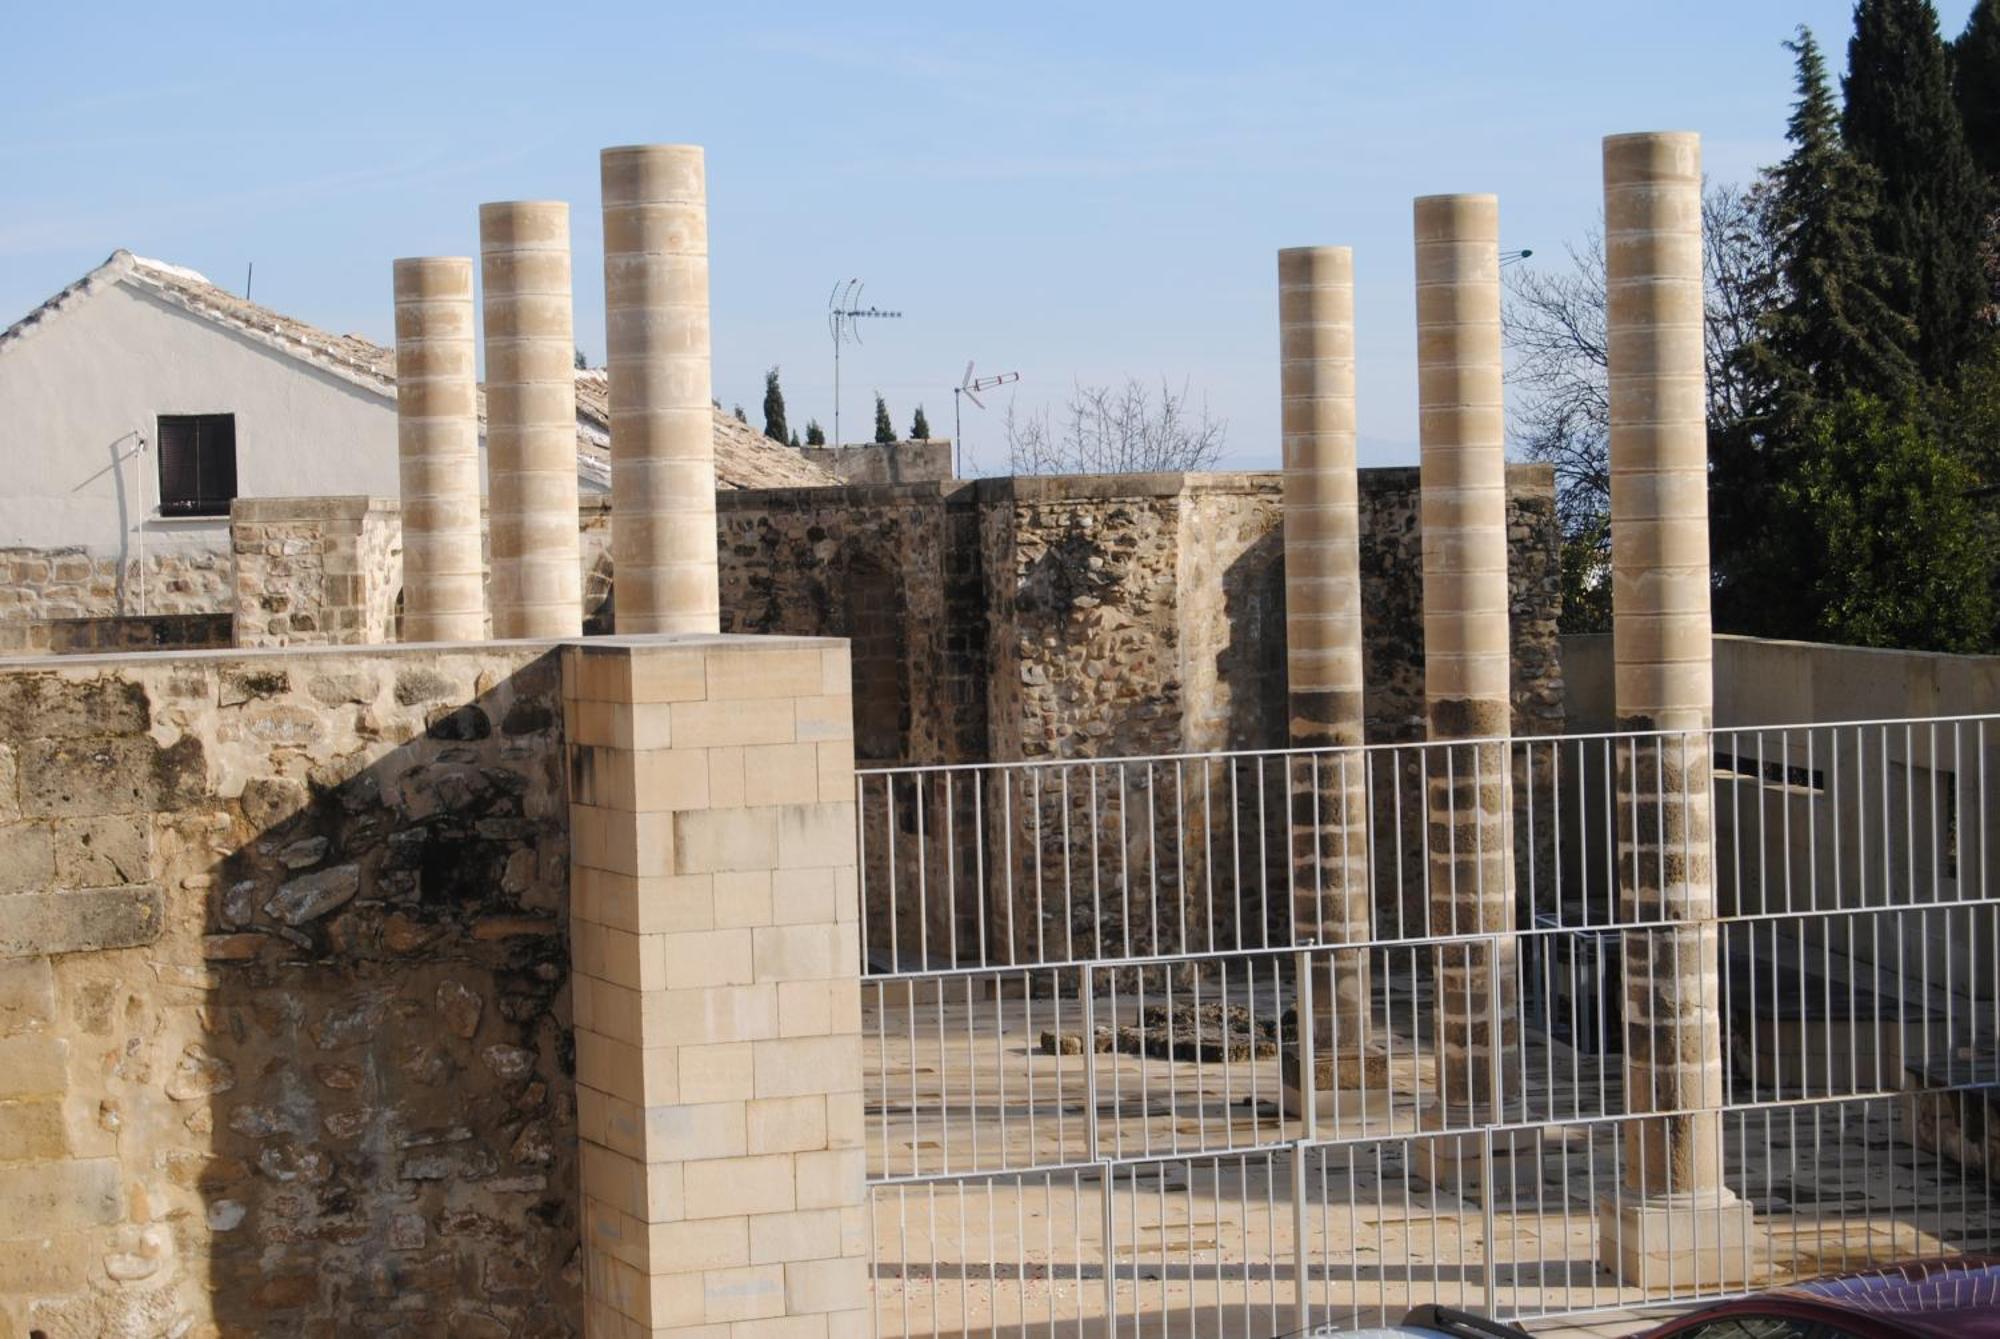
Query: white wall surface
{"x":73,"y":393}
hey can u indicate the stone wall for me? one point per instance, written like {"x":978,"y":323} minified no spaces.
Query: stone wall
{"x":284,"y":1038}
{"x":1077,"y":618}
{"x":149,"y":632}
{"x":40,"y":585}
{"x":914,"y":462}
{"x":316,"y":571}
{"x":880,"y":566}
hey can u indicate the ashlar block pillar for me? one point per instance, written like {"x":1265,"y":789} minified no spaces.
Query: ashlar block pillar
{"x":531,"y":419}
{"x":1676,"y":1222}
{"x":437,"y":450}
{"x":715,"y":934}
{"x":1322,"y":537}
{"x":1467,"y":680}
{"x":662,"y":424}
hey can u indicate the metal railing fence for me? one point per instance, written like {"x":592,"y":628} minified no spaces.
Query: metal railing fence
{"x":1084,"y":981}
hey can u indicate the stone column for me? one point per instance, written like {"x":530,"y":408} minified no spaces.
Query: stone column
{"x":662,"y":424}
{"x":531,"y":419}
{"x":1675,"y":1222}
{"x":1462,"y":429}
{"x":437,"y":450}
{"x":714,"y":924}
{"x":1329,"y":873}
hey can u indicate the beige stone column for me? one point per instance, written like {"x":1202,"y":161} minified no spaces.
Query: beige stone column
{"x":714,"y":924}
{"x":437,"y":450}
{"x":1675,"y":1222}
{"x":531,"y":419}
{"x":662,"y":424}
{"x":1329,"y":874}
{"x":1462,"y":430}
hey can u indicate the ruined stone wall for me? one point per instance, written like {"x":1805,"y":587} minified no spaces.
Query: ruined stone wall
{"x":316,"y":571}
{"x":1083,"y":580}
{"x":865,"y":563}
{"x":41,"y":585}
{"x":283,"y":996}
{"x":1077,"y":618}
{"x":1232,"y":613}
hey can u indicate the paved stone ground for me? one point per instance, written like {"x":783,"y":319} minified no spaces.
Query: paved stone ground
{"x":1206,"y":1234}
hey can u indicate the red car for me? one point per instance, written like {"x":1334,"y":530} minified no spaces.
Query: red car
{"x":1918,"y":1301}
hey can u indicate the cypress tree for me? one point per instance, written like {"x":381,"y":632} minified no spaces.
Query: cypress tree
{"x":885,"y":431}
{"x":1828,"y":330}
{"x":774,"y":407}
{"x":1902,"y":120}
{"x":1976,"y":81}
{"x":920,"y":427}
{"x":815,"y":435}
{"x":795,"y":439}
{"x":1834,"y":329}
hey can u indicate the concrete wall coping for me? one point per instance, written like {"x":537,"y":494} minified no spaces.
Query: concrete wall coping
{"x":266,"y":654}
{"x":310,"y":508}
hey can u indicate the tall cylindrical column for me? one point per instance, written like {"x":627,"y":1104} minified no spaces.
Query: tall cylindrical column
{"x":662,"y":426}
{"x":1462,"y":430}
{"x":437,"y":450}
{"x":1322,"y":523}
{"x":1662,"y":653}
{"x":531,"y":419}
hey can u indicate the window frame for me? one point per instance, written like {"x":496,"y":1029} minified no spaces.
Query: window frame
{"x":211,"y":498}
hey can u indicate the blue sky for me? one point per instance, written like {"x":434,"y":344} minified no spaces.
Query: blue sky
{"x":1073,"y":191}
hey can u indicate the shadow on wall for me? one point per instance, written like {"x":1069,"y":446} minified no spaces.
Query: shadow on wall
{"x":314,"y":1005}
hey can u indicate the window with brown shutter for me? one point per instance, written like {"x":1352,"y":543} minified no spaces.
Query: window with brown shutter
{"x":197,"y":464}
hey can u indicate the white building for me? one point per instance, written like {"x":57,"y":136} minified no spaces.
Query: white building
{"x":139,"y":402}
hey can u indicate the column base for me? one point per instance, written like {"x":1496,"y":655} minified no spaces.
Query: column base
{"x":1706,"y":1239}
{"x":1350,"y":1072}
{"x":1453,"y":1158}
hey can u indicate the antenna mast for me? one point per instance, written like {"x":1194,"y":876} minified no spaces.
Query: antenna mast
{"x":843,"y":312}
{"x":970,"y":388}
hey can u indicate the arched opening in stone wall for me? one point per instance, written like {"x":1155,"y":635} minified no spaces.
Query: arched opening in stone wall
{"x":874,"y":623}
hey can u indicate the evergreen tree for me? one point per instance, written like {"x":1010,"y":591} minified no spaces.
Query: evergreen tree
{"x":741,"y":417}
{"x":1824,"y":328}
{"x":795,"y":439}
{"x":885,"y":431}
{"x":920,"y":427}
{"x":815,"y":435}
{"x":1901,"y":557}
{"x":1902,"y":120}
{"x":1832,"y":328}
{"x":1976,"y":81}
{"x":774,"y":408}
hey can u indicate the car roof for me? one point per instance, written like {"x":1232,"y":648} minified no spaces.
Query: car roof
{"x":1944,"y":1297}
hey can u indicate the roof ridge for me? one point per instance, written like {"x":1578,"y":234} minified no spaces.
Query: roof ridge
{"x":63,"y":299}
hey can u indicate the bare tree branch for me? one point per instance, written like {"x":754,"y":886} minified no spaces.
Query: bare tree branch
{"x":1553,"y":322}
{"x":1115,"y":430}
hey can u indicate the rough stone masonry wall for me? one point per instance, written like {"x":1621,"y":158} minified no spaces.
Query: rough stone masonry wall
{"x":316,"y":571}
{"x":877,"y":565}
{"x":40,"y":585}
{"x":1089,"y":617}
{"x":283,"y":996}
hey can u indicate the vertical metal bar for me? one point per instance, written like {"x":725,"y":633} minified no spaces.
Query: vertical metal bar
{"x":1301,"y":1249}
{"x":1305,"y":1038}
{"x":1488,"y":1193}
{"x":1090,"y":1061}
{"x":1109,"y":1228}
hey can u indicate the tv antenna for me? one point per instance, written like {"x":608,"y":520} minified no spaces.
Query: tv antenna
{"x":1515,"y":257}
{"x":844,"y":313}
{"x":970,"y":387}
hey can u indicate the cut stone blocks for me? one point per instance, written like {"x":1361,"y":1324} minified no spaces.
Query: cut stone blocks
{"x":715,"y":938}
